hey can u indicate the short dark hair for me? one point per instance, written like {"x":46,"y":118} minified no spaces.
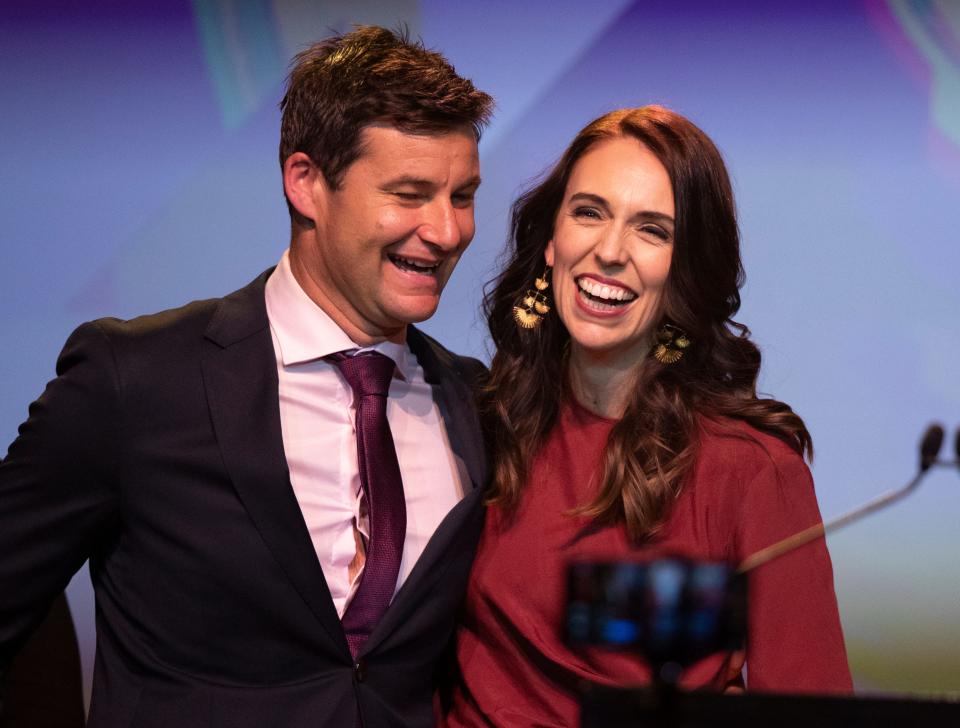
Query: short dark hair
{"x":341,"y":85}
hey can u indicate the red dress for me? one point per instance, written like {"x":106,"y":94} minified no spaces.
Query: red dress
{"x":748,"y":490}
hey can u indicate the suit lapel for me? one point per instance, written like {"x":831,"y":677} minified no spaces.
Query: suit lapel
{"x":240,"y":377}
{"x":455,"y":400}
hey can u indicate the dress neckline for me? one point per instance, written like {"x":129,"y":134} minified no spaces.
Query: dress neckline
{"x":583,"y":415}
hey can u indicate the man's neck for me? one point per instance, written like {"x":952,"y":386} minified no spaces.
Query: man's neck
{"x":363,"y":335}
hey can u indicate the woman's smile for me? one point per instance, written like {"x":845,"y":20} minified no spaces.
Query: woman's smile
{"x":611,"y":250}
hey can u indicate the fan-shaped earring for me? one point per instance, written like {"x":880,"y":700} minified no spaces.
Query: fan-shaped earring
{"x":672,"y":341}
{"x":533,"y":305}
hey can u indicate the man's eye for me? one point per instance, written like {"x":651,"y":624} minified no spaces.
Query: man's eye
{"x":408,"y":195}
{"x":463,"y":199}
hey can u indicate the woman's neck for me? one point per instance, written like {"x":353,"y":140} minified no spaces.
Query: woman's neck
{"x":602,"y":385}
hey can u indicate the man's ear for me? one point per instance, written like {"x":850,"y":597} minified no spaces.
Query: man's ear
{"x":300,"y":177}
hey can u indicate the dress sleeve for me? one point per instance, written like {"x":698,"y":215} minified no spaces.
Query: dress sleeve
{"x":57,"y":485}
{"x":794,"y":641}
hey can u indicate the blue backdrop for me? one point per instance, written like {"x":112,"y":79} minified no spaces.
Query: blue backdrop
{"x":140,"y":171}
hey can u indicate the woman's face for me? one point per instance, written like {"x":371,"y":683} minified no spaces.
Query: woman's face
{"x":611,"y":250}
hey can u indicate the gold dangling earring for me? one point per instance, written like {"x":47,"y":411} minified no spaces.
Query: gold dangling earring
{"x":533,"y":306}
{"x":671,"y":343}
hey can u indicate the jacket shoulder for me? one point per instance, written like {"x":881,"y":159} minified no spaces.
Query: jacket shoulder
{"x":169,"y":342}
{"x":244,"y":307}
{"x":469,"y":369}
{"x":189,"y":318}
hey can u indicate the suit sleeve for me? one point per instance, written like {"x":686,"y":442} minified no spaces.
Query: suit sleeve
{"x":795,"y":641}
{"x":58,"y":501}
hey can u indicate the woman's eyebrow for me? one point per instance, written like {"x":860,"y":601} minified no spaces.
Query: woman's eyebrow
{"x":654,"y":216}
{"x":646,"y":215}
{"x":589,"y":197}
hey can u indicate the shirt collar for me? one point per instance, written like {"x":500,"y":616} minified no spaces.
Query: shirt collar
{"x":306,"y":333}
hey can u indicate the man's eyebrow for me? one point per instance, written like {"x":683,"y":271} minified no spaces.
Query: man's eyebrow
{"x":421,"y":183}
{"x":651,"y":215}
{"x":473,"y":182}
{"x":409,"y":180}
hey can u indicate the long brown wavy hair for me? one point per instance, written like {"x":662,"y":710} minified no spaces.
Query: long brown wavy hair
{"x":653,"y":446}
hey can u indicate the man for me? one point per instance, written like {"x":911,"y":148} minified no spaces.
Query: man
{"x":278,"y":491}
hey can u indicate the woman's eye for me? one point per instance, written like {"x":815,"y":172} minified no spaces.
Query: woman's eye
{"x":656,"y":231}
{"x":587,"y":212}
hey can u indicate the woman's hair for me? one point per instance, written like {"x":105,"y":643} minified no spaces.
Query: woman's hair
{"x":653,"y":446}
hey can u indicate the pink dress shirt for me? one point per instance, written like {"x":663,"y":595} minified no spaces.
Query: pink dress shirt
{"x":319,"y":437}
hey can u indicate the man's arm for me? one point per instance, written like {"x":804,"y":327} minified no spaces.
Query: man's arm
{"x":58,"y":495}
{"x":44,"y":685}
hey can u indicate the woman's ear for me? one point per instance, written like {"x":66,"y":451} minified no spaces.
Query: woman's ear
{"x":548,"y":253}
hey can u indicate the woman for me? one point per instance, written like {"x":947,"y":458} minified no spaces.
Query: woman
{"x":624,"y":421}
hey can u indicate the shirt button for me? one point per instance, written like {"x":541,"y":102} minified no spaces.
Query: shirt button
{"x":360,"y":670}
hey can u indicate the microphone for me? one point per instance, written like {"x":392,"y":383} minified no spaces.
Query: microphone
{"x":930,"y":446}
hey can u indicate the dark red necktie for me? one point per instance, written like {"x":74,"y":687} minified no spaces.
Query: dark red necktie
{"x":369,"y":376}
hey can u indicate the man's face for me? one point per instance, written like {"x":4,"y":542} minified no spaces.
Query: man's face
{"x":388,"y":239}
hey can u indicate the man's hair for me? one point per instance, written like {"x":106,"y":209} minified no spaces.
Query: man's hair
{"x":341,"y":85}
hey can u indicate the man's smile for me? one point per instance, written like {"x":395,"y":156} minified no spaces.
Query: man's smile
{"x":415,"y":266}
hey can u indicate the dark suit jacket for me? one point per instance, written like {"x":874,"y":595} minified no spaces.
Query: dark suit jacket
{"x":157,"y":453}
{"x":44,"y":685}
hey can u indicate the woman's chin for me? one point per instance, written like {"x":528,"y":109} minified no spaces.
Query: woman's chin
{"x":608,"y":351}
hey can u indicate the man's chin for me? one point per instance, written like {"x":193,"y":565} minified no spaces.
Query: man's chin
{"x":413,"y":309}
{"x":416,"y":317}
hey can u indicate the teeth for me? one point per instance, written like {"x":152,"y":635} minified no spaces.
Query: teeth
{"x":415,"y":264}
{"x":606,"y":292}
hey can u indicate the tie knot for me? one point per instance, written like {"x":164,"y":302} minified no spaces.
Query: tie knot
{"x":367,"y":373}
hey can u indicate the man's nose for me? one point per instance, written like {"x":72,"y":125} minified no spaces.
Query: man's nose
{"x":441,"y":225}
